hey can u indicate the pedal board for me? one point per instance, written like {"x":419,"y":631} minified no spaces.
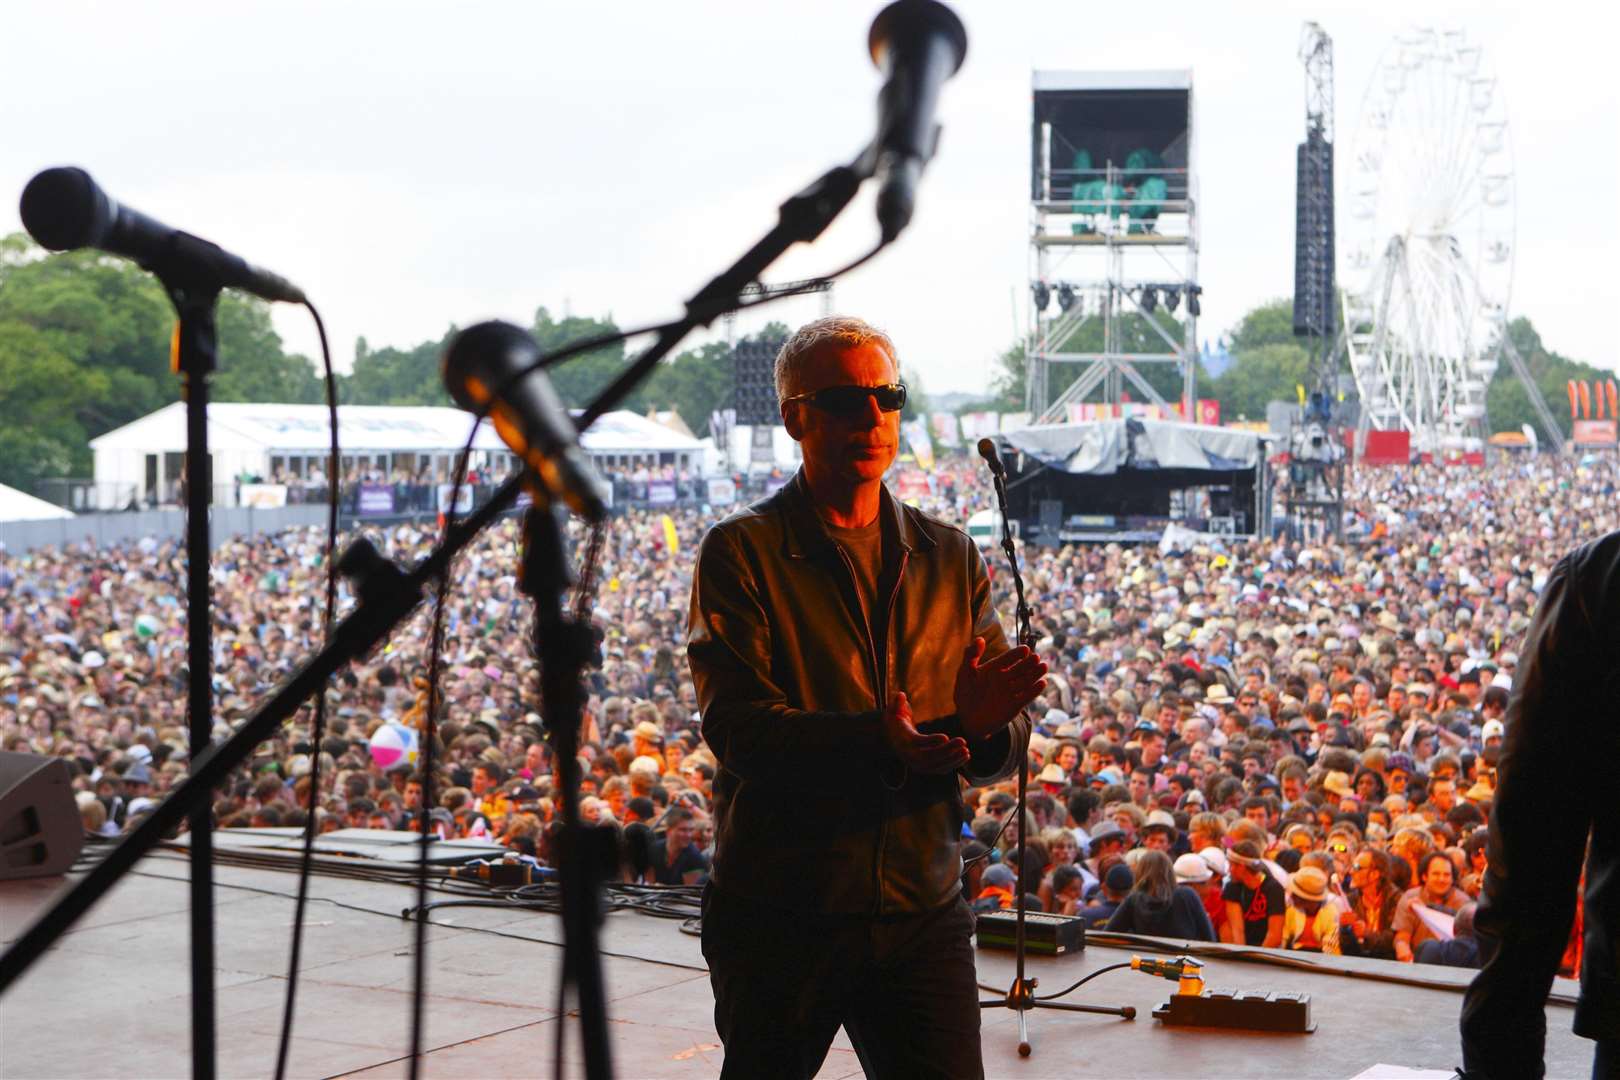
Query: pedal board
{"x":1251,"y":1010}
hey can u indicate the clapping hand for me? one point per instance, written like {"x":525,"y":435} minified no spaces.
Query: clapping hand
{"x":935,"y":753}
{"x":990,"y":693}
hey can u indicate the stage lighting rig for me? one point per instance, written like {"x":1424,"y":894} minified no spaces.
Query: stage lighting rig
{"x":1043,"y":297}
{"x":1150,"y":299}
{"x":1066,"y":297}
{"x":1172,"y":298}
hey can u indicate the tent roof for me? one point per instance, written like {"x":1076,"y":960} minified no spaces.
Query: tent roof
{"x":362,"y":428}
{"x":1104,"y":447}
{"x":20,"y":506}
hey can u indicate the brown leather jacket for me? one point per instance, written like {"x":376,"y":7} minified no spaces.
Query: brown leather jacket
{"x":812,"y":811}
{"x":1555,"y":788}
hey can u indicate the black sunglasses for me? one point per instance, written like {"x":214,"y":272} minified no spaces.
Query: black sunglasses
{"x":851,"y":400}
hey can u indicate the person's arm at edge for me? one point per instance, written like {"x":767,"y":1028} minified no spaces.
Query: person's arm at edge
{"x":1538,"y":828}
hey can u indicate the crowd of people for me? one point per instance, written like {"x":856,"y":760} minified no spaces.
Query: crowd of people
{"x":1271,"y":742}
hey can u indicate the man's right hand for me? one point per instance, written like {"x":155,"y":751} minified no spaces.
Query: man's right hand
{"x":935,"y":753}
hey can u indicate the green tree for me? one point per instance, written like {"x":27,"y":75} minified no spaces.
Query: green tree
{"x":84,"y":346}
{"x":41,"y":432}
{"x":1258,"y":375}
{"x":1272,"y":323}
{"x":106,"y":316}
{"x":1506,"y":402}
{"x":579,"y":379}
{"x":391,"y":376}
{"x":1268,"y":363}
{"x":694,"y":384}
{"x":253,"y":366}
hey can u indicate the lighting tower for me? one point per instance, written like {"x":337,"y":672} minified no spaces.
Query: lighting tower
{"x":1315,"y":489}
{"x":1113,"y":233}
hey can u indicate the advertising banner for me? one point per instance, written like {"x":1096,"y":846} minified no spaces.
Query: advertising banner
{"x":376,"y":500}
{"x":722,"y":491}
{"x":264,"y":496}
{"x":464,"y":500}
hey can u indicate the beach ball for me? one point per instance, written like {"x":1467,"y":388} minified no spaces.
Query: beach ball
{"x":147,"y":626}
{"x":393,"y":746}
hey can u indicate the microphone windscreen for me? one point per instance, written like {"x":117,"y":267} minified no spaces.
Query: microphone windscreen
{"x":63,"y":209}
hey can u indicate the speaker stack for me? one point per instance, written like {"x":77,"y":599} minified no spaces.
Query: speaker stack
{"x":40,"y":828}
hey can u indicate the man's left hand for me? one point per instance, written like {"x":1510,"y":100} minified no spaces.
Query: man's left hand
{"x":990,"y":693}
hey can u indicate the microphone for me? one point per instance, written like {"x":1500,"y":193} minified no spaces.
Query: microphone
{"x":987,"y":450}
{"x":529,"y":416}
{"x":65,"y":209}
{"x":917,"y":44}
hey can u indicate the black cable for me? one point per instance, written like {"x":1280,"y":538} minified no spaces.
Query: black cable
{"x":985,"y":854}
{"x":429,"y":734}
{"x":1083,"y":980}
{"x":318,"y":732}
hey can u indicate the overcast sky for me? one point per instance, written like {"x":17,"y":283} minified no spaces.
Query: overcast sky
{"x":414,"y":165}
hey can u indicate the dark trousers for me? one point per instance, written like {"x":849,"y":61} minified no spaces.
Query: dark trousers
{"x":904,"y":988}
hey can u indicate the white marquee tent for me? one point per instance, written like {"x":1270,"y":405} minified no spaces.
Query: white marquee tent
{"x":144,"y":459}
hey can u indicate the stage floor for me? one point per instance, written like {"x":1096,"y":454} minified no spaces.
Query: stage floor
{"x":112,"y":998}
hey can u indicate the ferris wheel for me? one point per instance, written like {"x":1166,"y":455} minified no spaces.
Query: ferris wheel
{"x":1430,"y":240}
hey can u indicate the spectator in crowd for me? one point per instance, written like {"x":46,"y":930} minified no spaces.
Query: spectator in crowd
{"x":1435,"y":895}
{"x":1255,"y":902}
{"x":1117,"y":882}
{"x":1158,"y":905}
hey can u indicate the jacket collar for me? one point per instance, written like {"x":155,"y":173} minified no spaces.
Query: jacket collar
{"x":806,"y":534}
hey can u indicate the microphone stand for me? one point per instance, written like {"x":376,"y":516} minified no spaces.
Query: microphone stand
{"x":563,"y":646}
{"x":1021,"y":994}
{"x":194,"y":360}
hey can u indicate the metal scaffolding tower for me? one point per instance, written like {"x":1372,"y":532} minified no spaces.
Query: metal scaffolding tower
{"x":1113,"y":234}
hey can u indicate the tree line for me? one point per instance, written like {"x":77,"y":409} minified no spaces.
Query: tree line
{"x":85,"y":339}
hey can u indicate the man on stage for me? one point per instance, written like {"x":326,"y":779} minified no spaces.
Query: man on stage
{"x":849,"y":668}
